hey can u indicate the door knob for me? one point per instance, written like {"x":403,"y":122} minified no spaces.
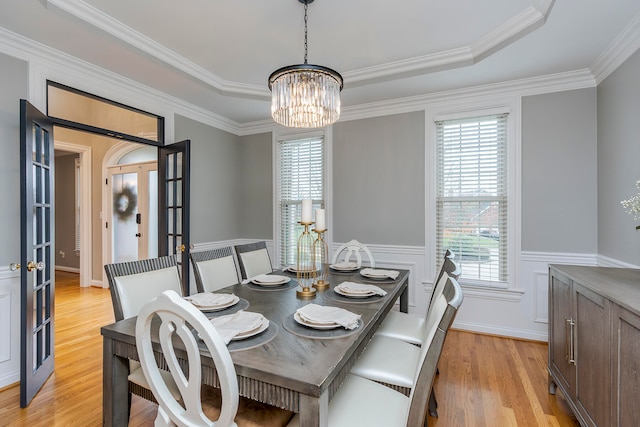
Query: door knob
{"x":138,"y":234}
{"x":181,"y":248}
{"x":30,"y":266}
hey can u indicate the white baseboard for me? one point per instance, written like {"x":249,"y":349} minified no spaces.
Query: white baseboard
{"x":12,"y":378}
{"x":501,"y":331}
{"x":67,"y":269}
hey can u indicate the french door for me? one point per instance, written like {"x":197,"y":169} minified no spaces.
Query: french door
{"x":37,"y":281}
{"x":174,"y":168}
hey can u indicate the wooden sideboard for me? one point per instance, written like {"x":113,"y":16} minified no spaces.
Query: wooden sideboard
{"x":594,"y":342}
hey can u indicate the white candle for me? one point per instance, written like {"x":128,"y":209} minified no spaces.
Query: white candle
{"x":320,"y":222}
{"x":306,"y":211}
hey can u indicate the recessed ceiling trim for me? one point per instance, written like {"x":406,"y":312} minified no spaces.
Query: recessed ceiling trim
{"x":521,"y":24}
{"x":98,"y":19}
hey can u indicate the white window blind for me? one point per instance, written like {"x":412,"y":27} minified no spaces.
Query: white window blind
{"x":301,"y":177}
{"x":471,"y":195}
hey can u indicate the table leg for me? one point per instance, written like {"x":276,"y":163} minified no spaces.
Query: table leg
{"x":115,"y":387}
{"x":404,"y":300}
{"x":314,"y":411}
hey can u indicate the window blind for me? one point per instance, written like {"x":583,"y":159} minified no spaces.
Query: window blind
{"x":471,"y":195}
{"x":301,"y":177}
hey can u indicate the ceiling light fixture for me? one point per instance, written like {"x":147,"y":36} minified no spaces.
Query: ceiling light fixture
{"x":305,"y":95}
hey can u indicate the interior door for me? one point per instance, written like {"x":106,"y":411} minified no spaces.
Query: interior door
{"x":36,"y":250}
{"x":173,"y":205}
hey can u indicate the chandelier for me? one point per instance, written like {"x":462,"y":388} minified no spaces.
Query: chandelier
{"x":305,"y":95}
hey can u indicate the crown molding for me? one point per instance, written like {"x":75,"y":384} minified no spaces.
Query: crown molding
{"x":106,"y":23}
{"x":524,"y":22}
{"x":622,"y":47}
{"x":48,"y":63}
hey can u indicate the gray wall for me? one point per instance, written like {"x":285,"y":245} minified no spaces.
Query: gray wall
{"x":216,"y":193}
{"x":256,"y":180}
{"x":378,"y":180}
{"x":65,"y":203}
{"x":619,"y":161}
{"x":559,"y":172}
{"x":13,"y":86}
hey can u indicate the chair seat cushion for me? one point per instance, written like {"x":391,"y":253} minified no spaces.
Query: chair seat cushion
{"x":361,"y":402}
{"x":250,"y":412}
{"x":402,"y":326}
{"x":137,"y":376}
{"x":388,"y":360}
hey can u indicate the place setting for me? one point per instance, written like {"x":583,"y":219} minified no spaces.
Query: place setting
{"x":270,"y":282}
{"x":244,"y":329}
{"x":209,"y":302}
{"x":345,"y":267}
{"x":378,"y":275}
{"x":322,"y":322}
{"x":352,"y":292}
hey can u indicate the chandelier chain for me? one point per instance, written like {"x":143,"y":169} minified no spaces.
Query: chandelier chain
{"x":305,"y":31}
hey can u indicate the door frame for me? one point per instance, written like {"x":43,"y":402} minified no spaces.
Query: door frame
{"x":139,"y":169}
{"x":110,"y":158}
{"x":86,"y":240}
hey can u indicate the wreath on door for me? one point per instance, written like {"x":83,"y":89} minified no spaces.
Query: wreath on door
{"x":124,"y":203}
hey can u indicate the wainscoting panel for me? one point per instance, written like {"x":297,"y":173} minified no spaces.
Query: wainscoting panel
{"x":9,"y":327}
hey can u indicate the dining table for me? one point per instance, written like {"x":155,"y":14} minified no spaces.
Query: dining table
{"x":288,"y":365}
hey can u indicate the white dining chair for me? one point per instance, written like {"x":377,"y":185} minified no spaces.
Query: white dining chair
{"x":132,"y":284}
{"x":411,"y":327}
{"x":352,"y":249}
{"x":253,"y":259}
{"x":214,"y":269}
{"x":393,"y":362}
{"x":362,"y":402}
{"x":196,"y":405}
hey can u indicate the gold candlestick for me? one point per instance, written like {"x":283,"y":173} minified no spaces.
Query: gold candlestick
{"x":321,"y":261}
{"x":305,"y":267}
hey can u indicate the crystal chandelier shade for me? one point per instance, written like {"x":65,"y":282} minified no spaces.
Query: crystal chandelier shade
{"x":305,"y":95}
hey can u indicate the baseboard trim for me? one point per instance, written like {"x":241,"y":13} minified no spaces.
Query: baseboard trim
{"x":500,"y":331}
{"x":67,"y":269}
{"x":9,"y":380}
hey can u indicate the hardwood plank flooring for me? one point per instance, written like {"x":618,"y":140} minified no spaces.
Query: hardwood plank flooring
{"x":483,"y":381}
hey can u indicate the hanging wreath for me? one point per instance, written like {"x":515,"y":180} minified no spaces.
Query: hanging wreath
{"x":124,"y":203}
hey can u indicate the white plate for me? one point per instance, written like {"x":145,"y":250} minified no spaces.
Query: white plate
{"x":314,"y":325}
{"x":263,"y":327}
{"x":233,"y":302}
{"x":282,"y":281}
{"x":339,"y":268}
{"x":375,"y":276}
{"x":339,"y":291}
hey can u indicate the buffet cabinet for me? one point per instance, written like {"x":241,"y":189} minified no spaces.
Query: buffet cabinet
{"x":594,"y":342}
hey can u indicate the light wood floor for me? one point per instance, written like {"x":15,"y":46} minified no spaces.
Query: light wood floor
{"x":483,"y":381}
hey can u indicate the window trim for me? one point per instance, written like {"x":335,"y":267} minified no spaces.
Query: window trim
{"x":283,"y":135}
{"x":473,"y":108}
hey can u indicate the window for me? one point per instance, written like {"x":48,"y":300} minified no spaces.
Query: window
{"x":301,"y":175}
{"x":471,"y":195}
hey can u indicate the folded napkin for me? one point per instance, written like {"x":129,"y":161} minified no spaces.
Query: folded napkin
{"x":267,"y":278}
{"x":393,"y":274}
{"x":345,"y":265}
{"x":327,"y":315}
{"x":208,"y":299}
{"x":234,"y":324}
{"x":360,"y":289}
